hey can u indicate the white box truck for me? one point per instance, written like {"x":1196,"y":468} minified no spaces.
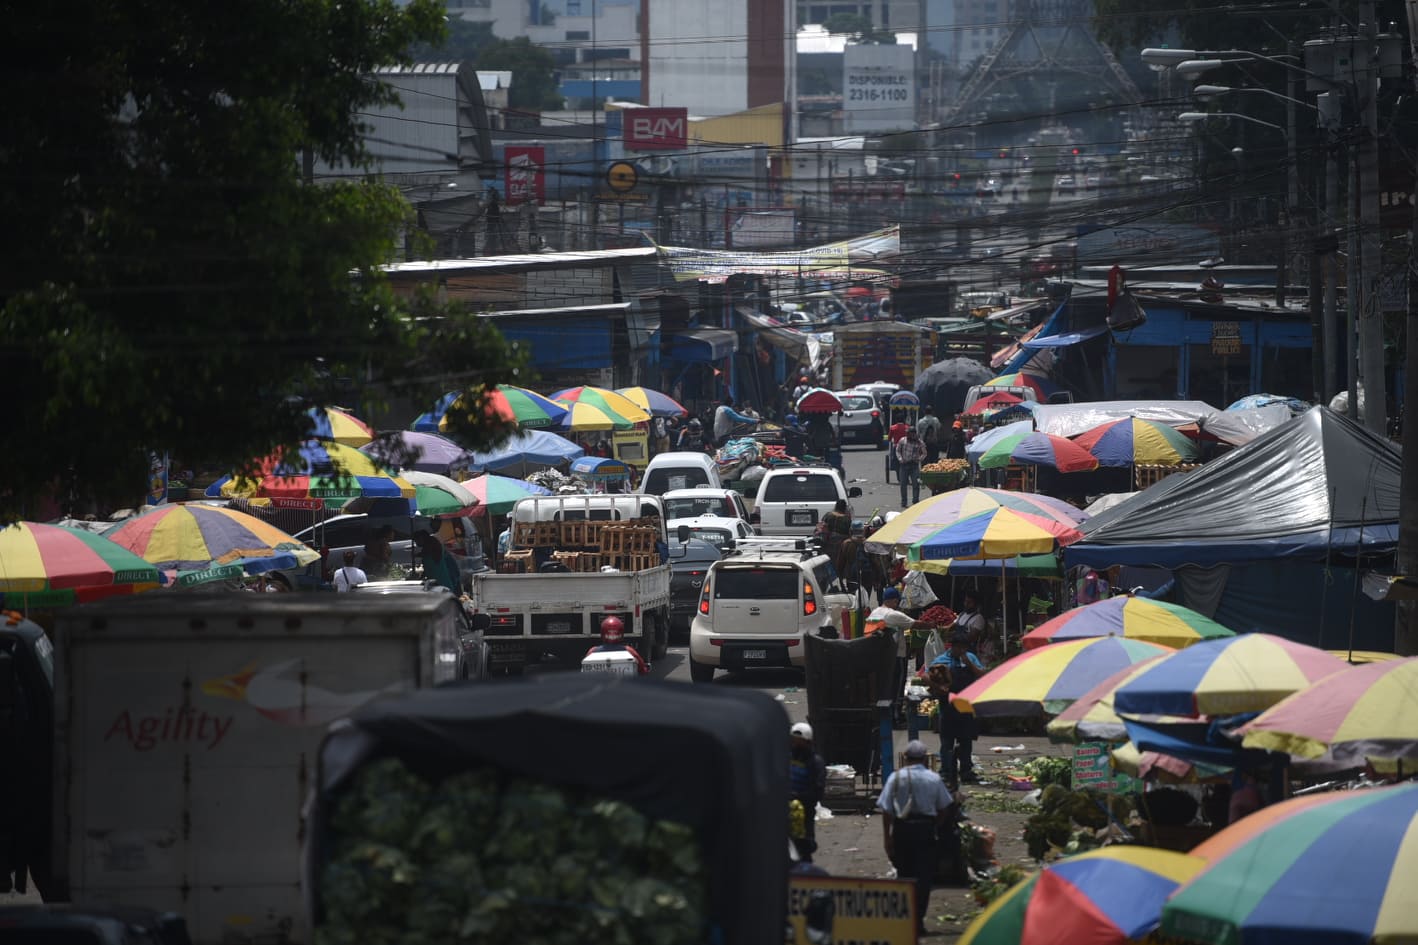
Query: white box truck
{"x":183,"y":742}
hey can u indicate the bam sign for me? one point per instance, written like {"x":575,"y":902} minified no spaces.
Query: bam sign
{"x":656,"y":129}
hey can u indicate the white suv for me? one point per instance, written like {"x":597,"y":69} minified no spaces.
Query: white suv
{"x":792,"y":500}
{"x":757,"y":604}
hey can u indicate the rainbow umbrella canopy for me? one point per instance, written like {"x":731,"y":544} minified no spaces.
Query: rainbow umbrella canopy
{"x":1050,"y":679}
{"x":1038,"y":449}
{"x":317,"y":470}
{"x":653,"y":402}
{"x":992,"y":403}
{"x":1364,"y":712}
{"x":498,"y":494}
{"x":1249,"y":672}
{"x":979,"y":523}
{"x":438,"y":496}
{"x":207,"y":543}
{"x":332,"y":423}
{"x":36,"y":558}
{"x":1133,"y":442}
{"x":1091,"y":717}
{"x":1043,"y":387}
{"x":1136,"y":618}
{"x":1110,"y":895}
{"x":596,"y":408}
{"x":1328,"y":869}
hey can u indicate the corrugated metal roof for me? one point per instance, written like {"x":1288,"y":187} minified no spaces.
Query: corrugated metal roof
{"x":492,"y":81}
{"x":421,"y":68}
{"x":526,"y":261}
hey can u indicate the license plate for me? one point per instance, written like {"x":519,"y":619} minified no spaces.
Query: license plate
{"x":558,"y":626}
{"x":755,"y":654}
{"x":800,"y":518}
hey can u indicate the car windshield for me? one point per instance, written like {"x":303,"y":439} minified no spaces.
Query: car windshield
{"x":802,"y":487}
{"x":856,"y":402}
{"x":756,"y":584}
{"x":660,"y":481}
{"x":697,"y":506}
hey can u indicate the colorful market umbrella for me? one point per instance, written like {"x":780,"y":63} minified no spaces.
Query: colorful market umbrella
{"x":318,"y":470}
{"x":1367,"y":711}
{"x":192,"y":537}
{"x":426,"y":452}
{"x":332,"y":423}
{"x":1039,"y":449}
{"x":497,"y":495}
{"x":1109,"y":895}
{"x":1042,"y":386}
{"x":653,"y":402}
{"x":1249,"y":672}
{"x":596,"y":408}
{"x":438,"y":496}
{"x":1053,"y":677}
{"x":1133,"y":441}
{"x":1337,"y":869}
{"x":531,"y":410}
{"x":988,"y":438}
{"x":1033,"y":566}
{"x":1091,"y":717}
{"x":428,"y":422}
{"x":1137,"y":618}
{"x":527,"y":452}
{"x":36,"y":558}
{"x":817,"y":402}
{"x":992,"y":402}
{"x":979,"y":523}
{"x":496,"y":407}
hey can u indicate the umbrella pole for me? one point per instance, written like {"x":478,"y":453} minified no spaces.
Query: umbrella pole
{"x":1004,"y":609}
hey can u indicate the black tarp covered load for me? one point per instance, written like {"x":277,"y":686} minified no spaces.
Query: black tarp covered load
{"x":711,"y":758}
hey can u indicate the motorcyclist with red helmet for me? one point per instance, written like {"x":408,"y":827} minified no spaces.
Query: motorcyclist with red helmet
{"x":613,"y":641}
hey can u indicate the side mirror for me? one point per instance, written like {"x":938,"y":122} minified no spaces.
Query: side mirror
{"x":682,"y":533}
{"x":854,"y":493}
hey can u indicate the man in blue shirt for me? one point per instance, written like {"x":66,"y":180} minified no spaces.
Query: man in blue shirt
{"x":951,"y":672}
{"x":724,"y":419}
{"x":914,"y":805}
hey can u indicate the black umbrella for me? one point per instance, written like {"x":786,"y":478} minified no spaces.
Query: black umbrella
{"x":943,"y":385}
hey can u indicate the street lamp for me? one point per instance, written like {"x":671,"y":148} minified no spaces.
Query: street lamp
{"x":1202,"y":116}
{"x":1211,"y":91}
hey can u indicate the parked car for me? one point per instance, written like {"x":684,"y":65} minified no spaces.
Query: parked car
{"x":860,"y":420}
{"x":350,"y":533}
{"x":758,"y":603}
{"x":691,"y":503}
{"x":689,"y":562}
{"x":792,"y":500}
{"x":1065,"y":184}
{"x":723,"y":533}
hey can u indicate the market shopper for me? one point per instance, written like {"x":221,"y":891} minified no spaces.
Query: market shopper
{"x":929,"y":429}
{"x":691,"y":438}
{"x":970,"y":620}
{"x":438,"y":565}
{"x":949,"y":673}
{"x":955,"y":444}
{"x":807,"y":779}
{"x":725,"y":416}
{"x":378,"y":557}
{"x":914,"y":805}
{"x":890,"y":615}
{"x":909,"y":453}
{"x":349,"y":576}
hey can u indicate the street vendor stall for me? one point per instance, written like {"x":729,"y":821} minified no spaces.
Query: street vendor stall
{"x":602,"y":474}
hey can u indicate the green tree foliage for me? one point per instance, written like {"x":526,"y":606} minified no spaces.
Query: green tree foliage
{"x":533,"y":71}
{"x":858,"y":27}
{"x":168,"y":280}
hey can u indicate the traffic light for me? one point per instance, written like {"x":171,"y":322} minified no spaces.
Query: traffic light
{"x":1075,"y":152}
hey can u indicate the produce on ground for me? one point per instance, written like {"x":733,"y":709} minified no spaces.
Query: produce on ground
{"x":479,"y":857}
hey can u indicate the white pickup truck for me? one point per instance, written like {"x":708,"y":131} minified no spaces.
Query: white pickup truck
{"x":560,"y":611}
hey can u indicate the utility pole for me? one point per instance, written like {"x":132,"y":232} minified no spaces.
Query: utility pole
{"x":1371,"y":321}
{"x":1330,"y":108}
{"x":1405,"y":628}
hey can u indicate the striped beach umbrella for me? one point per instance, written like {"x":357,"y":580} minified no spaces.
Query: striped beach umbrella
{"x":426,"y":452}
{"x":1051,"y":678}
{"x":319,"y":469}
{"x":653,"y":402}
{"x":979,"y":523}
{"x":597,"y":408}
{"x":332,"y":423}
{"x":1110,"y":896}
{"x":1136,"y":618}
{"x":1136,"y":442}
{"x":36,"y":558}
{"x":1039,"y":449}
{"x":188,"y":537}
{"x":498,"y":494}
{"x":1249,"y":672}
{"x":1367,"y":711}
{"x":1042,"y":386}
{"x":1337,"y":869}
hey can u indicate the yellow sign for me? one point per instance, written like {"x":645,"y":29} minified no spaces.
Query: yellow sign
{"x":622,"y":177}
{"x":877,"y":911}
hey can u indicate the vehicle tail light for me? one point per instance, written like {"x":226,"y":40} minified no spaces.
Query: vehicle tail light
{"x":695,"y":573}
{"x":875,"y":414}
{"x":809,"y":600}
{"x":704,"y":600}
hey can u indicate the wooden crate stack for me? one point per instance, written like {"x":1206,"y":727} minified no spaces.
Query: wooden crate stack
{"x":1148,"y":475}
{"x":588,"y":546}
{"x":629,"y":546}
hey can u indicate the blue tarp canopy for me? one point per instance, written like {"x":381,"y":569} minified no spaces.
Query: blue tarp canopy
{"x":1066,"y":339}
{"x":1316,"y":486}
{"x":703,"y":345}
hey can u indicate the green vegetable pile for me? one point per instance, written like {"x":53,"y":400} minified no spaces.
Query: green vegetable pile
{"x":480,"y":858}
{"x":1053,"y":828}
{"x":1045,"y":770}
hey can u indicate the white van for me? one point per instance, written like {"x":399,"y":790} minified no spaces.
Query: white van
{"x":791,"y":501}
{"x":757,"y":604}
{"x":682,"y":469}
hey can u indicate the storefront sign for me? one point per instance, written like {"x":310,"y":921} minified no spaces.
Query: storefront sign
{"x":1225,"y":338}
{"x":1093,"y":770}
{"x":525,"y":181}
{"x":655,"y":129}
{"x":863,"y":910}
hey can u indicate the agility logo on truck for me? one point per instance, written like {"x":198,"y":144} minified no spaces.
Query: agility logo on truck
{"x":181,"y":725}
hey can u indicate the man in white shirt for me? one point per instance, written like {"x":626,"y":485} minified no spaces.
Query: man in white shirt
{"x":349,"y":576}
{"x":888,"y":615}
{"x":914,"y":805}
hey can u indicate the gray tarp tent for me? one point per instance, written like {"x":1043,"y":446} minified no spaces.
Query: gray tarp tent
{"x":1264,"y":537}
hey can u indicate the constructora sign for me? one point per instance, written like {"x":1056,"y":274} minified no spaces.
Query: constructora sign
{"x":656,"y":129}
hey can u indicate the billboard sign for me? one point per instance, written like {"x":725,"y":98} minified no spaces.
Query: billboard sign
{"x":655,"y":129}
{"x":525,"y":176}
{"x":879,"y":87}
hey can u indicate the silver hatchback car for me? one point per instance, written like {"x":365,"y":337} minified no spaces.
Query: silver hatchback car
{"x":861,"y":420}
